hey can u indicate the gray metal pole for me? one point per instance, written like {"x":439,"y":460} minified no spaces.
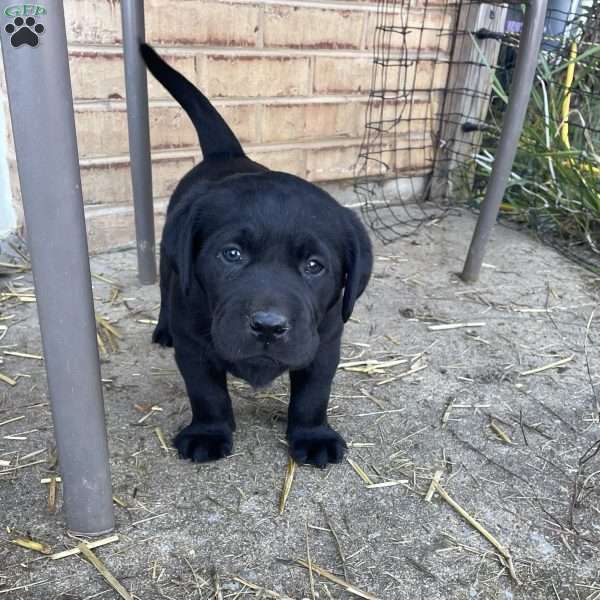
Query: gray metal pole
{"x":34,"y":48}
{"x":531,"y":39}
{"x":136,"y":87}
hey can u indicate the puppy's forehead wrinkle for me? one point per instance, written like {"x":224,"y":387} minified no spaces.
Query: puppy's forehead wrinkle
{"x":266,"y":224}
{"x":299,"y":217}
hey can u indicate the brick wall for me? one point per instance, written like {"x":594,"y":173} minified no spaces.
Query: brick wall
{"x":291,"y":78}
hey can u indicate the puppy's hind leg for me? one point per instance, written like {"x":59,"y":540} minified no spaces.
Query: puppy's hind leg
{"x":162,"y":331}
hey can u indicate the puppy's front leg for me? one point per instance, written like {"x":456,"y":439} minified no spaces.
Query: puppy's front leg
{"x":209,"y":435}
{"x":311,"y":439}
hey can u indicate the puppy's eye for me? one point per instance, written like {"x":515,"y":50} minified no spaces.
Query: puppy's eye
{"x":232,"y":254}
{"x":313,"y":267}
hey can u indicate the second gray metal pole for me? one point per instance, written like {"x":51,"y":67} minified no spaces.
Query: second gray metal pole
{"x":520,"y":92}
{"x":40,"y":100}
{"x":136,"y":88}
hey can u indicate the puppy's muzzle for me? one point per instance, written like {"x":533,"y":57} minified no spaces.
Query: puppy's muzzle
{"x":269,"y":326}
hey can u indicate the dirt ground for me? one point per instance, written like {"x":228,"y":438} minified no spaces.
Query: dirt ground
{"x":508,"y":444}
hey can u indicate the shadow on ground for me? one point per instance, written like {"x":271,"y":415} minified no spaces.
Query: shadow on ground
{"x":507,"y":445}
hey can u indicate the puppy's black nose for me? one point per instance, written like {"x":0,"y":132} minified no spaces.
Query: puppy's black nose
{"x":270,"y":325}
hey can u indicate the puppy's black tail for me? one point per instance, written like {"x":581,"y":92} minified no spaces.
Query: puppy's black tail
{"x":216,"y":138}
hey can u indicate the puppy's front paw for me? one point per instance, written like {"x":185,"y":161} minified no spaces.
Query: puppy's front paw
{"x":202,"y":443}
{"x":162,"y":336}
{"x":316,"y":445}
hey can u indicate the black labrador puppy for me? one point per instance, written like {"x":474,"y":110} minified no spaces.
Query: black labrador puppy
{"x":259,"y":271}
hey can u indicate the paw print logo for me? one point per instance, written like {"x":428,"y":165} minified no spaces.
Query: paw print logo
{"x":24,"y":32}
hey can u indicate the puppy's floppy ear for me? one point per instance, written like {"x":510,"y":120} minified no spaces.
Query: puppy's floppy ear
{"x":180,"y":245}
{"x":358,"y":262}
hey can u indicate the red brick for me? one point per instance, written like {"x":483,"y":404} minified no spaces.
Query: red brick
{"x":239,"y":76}
{"x":208,"y":23}
{"x":302,"y":27}
{"x":103,"y":131}
{"x":336,"y":75}
{"x":427,"y":29}
{"x":311,"y":121}
{"x":93,"y":21}
{"x":100,"y":75}
{"x":111,"y":183}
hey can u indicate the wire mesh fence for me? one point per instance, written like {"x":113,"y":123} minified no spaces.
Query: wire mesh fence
{"x":441,"y":79}
{"x":408,"y":83}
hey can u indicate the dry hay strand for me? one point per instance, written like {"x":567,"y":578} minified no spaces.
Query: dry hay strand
{"x":262,"y":592}
{"x":52,"y":494}
{"x":287,"y":484}
{"x":56,"y":478}
{"x":119,"y":502}
{"x":18,"y":295}
{"x":451,"y":326}
{"x":12,"y":420}
{"x":446,"y":415}
{"x":500,"y":432}
{"x":505,"y":555}
{"x":8,"y":380}
{"x":148,"y":411}
{"x":372,"y":366}
{"x":32,"y":545}
{"x":414,"y":369}
{"x":218,"y":593}
{"x":107,"y":335}
{"x":437,"y":477}
{"x":372,"y":398}
{"x":351,"y":589}
{"x":101,"y":568}
{"x":91,"y":545}
{"x":23,"y":355}
{"x":161,"y":438}
{"x":309,"y":562}
{"x":12,"y":268}
{"x":360,"y":471}
{"x":579,"y":491}
{"x":595,"y":395}
{"x":384,"y":484}
{"x":22,"y":466}
{"x":552,"y":365}
{"x":336,"y":539}
{"x":104,"y":279}
{"x":147,"y":321}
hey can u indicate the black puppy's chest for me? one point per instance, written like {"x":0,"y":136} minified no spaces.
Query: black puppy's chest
{"x":258,"y":373}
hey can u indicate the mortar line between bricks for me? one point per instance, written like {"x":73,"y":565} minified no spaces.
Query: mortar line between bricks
{"x":112,"y":104}
{"x":317,"y":4}
{"x":231,"y":101}
{"x":333,"y":5}
{"x":194,"y":151}
{"x":161,"y":202}
{"x":284,"y":52}
{"x":99,"y":210}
